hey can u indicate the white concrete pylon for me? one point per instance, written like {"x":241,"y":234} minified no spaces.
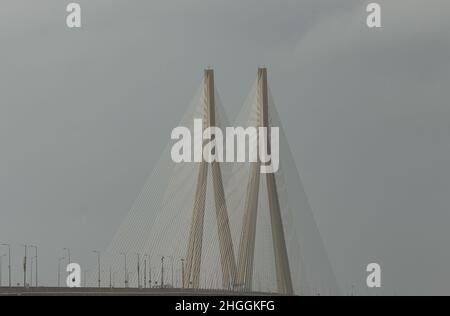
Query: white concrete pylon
{"x":194,"y":249}
{"x":248,"y":234}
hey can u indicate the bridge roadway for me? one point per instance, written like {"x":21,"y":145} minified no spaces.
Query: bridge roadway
{"x":92,"y":291}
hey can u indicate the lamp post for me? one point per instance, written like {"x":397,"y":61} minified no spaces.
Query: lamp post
{"x":99,"y":269}
{"x":145,"y":271}
{"x":138,"y":270}
{"x":59,"y":270}
{"x":36,"y":265}
{"x":182,"y":273}
{"x":9,"y":261}
{"x":1,"y":269}
{"x":124,"y":254}
{"x":31,"y":270}
{"x":149,"y":271}
{"x":25,"y":267}
{"x":162,"y":272}
{"x":110,"y":277}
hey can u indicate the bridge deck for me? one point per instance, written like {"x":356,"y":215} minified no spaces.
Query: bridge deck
{"x":65,"y":291}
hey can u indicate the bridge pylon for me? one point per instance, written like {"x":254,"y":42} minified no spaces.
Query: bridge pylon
{"x":248,"y":234}
{"x":192,"y":267}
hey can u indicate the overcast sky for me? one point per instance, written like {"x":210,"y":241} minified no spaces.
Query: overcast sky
{"x":85,"y":114}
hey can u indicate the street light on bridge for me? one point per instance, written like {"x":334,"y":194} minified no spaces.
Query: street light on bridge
{"x":99,"y":268}
{"x":9,"y":261}
{"x":182,"y":273}
{"x":145,"y":271}
{"x":124,"y":254}
{"x":110,"y":277}
{"x":1,"y":268}
{"x":31,"y":270}
{"x":59,"y":270}
{"x":162,"y":272}
{"x":150,"y":271}
{"x":36,"y":264}
{"x":138,"y":270}
{"x":25,"y":267}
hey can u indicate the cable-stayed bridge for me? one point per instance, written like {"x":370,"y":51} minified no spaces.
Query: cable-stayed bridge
{"x":224,"y":226}
{"x":212,"y":227}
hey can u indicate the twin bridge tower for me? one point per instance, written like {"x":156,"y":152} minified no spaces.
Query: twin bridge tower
{"x":237,"y":268}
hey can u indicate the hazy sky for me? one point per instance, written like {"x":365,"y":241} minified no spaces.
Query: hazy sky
{"x":84,"y":115}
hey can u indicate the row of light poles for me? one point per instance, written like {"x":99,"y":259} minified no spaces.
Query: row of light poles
{"x":35,"y":259}
{"x":112,"y":275}
{"x":145,"y":257}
